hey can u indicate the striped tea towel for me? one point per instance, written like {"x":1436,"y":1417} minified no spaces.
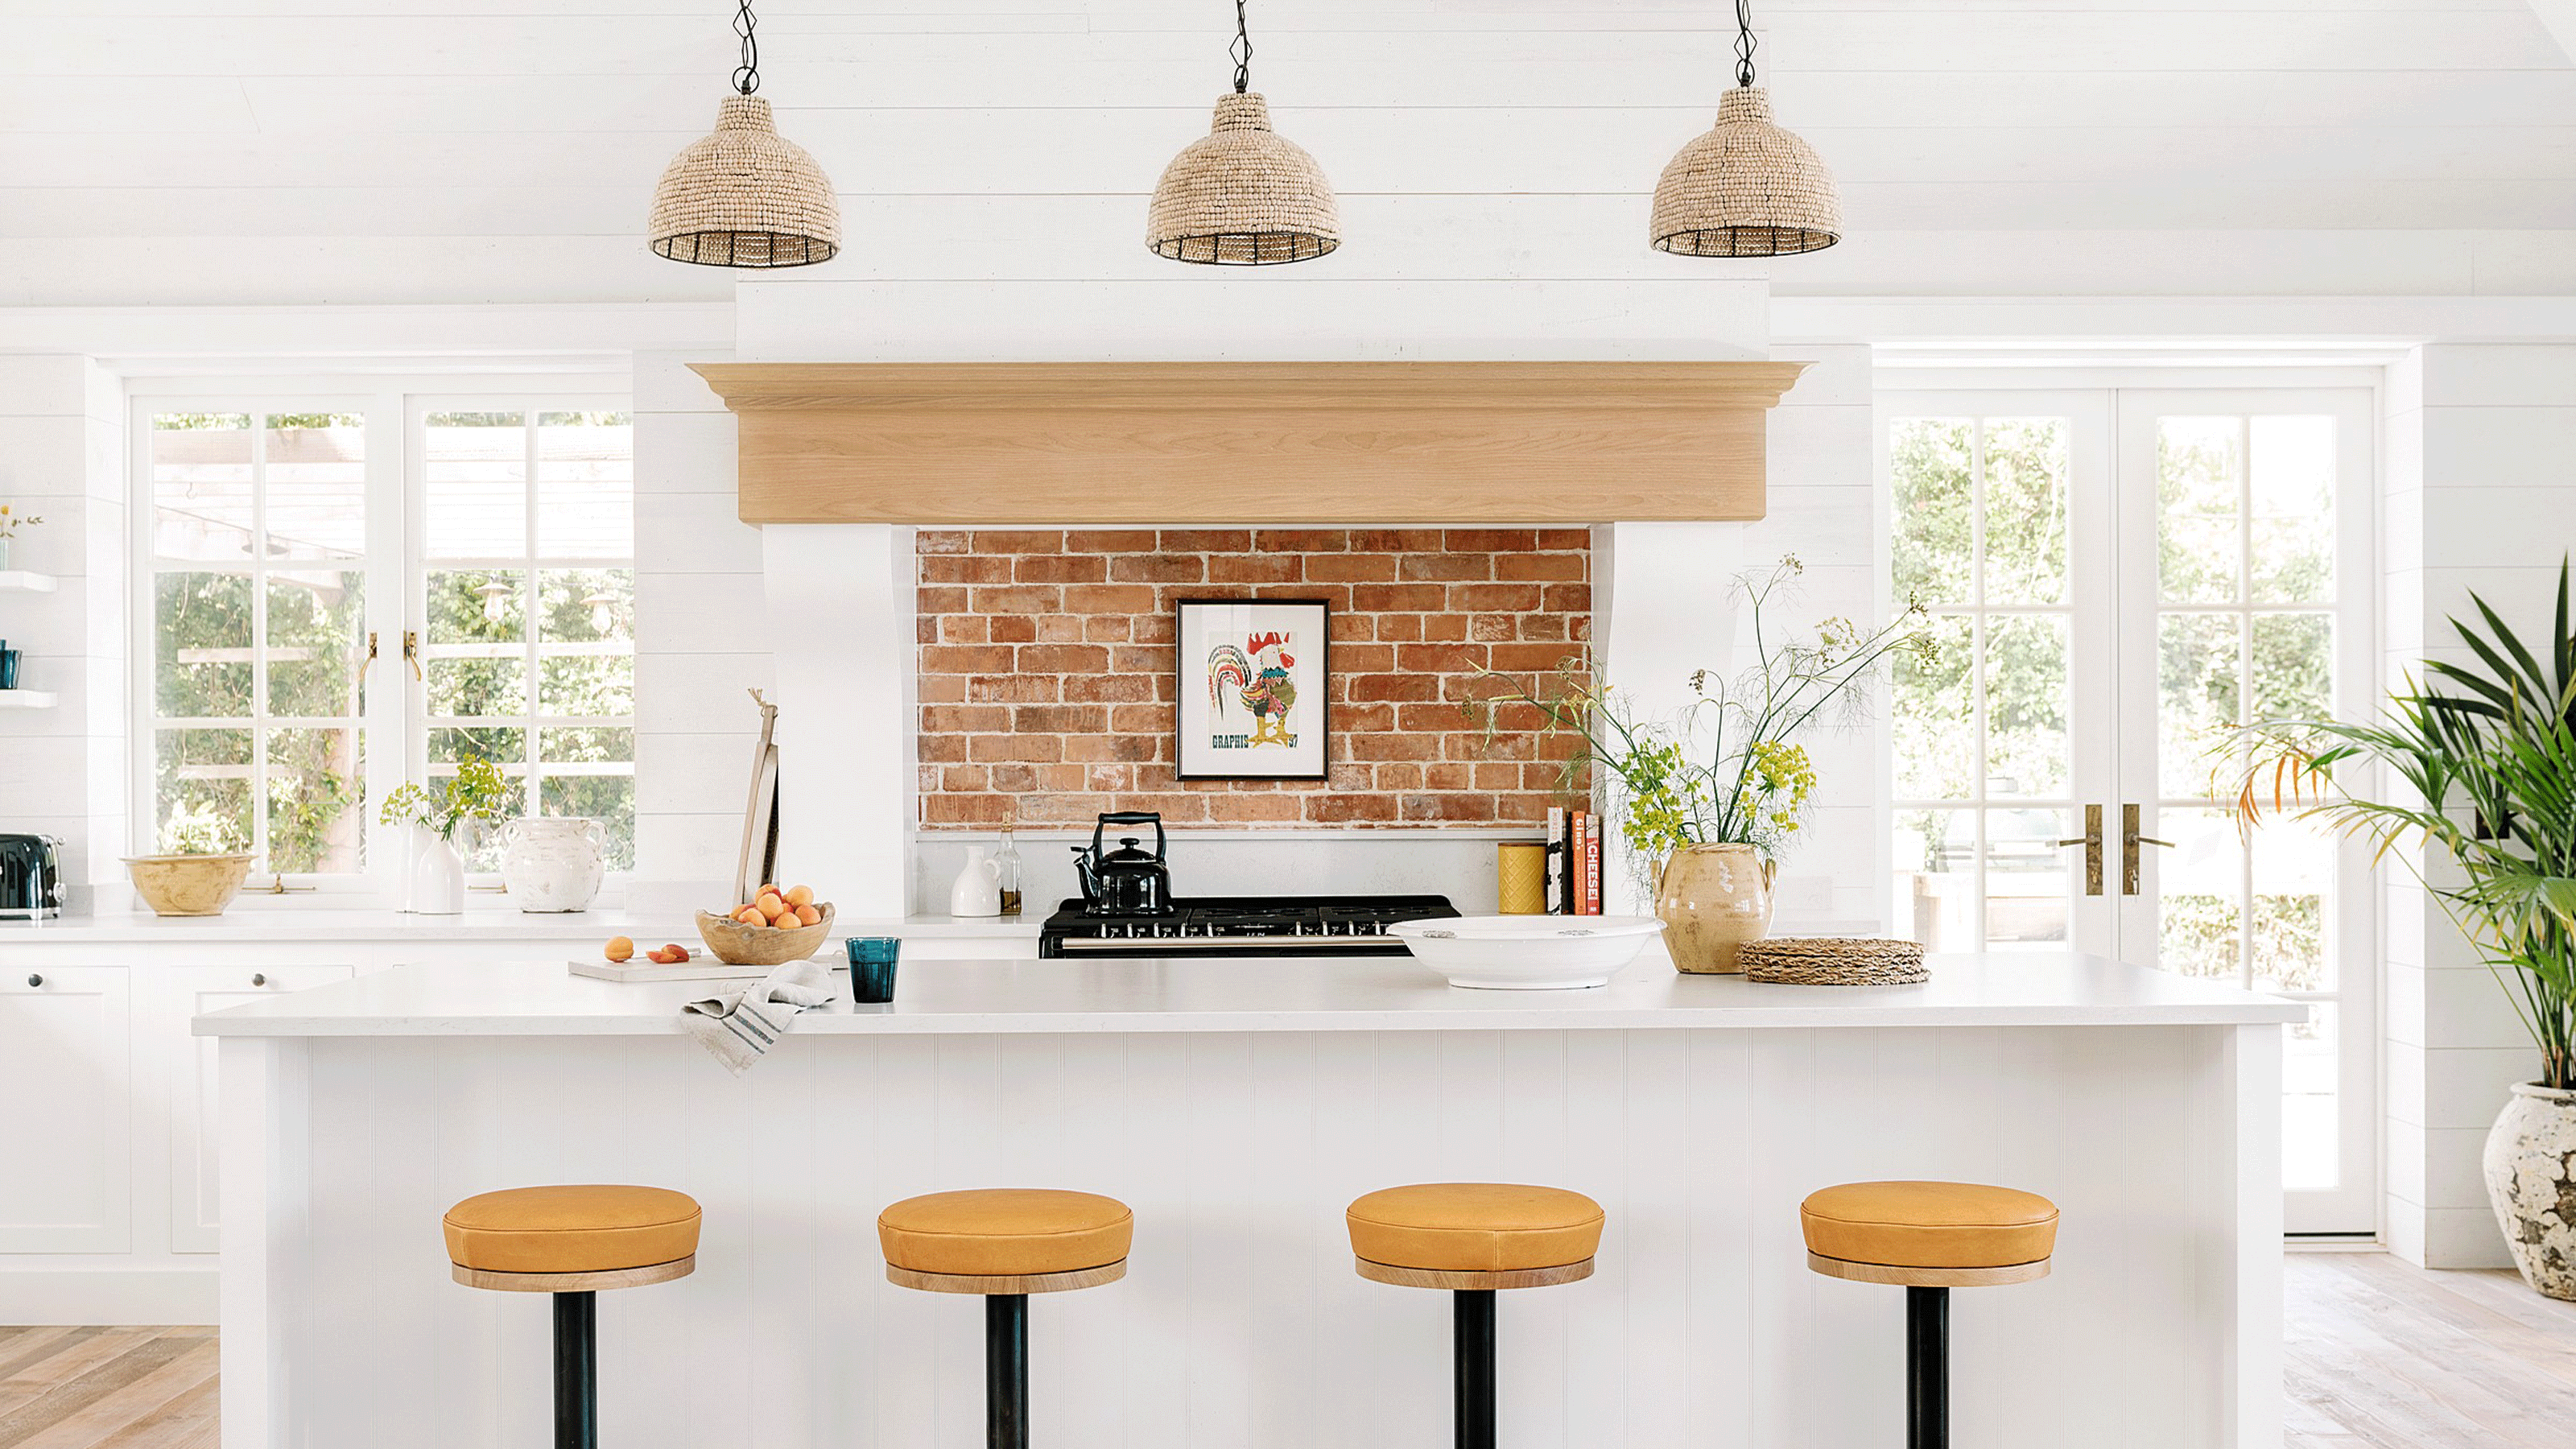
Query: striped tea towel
{"x":741,"y":1028}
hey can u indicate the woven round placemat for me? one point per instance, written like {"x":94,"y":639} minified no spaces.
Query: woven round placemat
{"x":1834,"y":961}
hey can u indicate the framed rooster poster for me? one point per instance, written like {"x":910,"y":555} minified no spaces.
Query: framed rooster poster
{"x":1252,"y":675}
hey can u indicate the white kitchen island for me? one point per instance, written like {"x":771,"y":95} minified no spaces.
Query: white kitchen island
{"x":1238,"y":1106}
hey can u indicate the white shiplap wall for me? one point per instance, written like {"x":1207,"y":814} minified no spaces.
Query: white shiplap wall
{"x":62,"y":452}
{"x":702,"y":636}
{"x":2479,"y":498}
{"x":193,"y":151}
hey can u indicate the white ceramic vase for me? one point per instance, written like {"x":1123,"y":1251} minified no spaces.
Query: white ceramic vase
{"x":435,"y":884}
{"x":2531,"y":1179}
{"x":978,"y":891}
{"x":553,"y":863}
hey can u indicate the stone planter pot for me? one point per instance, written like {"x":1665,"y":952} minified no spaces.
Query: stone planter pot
{"x":2531,"y":1179}
{"x":187,"y":885}
{"x":1712,"y":899}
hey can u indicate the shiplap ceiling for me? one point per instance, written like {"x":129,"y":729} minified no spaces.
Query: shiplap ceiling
{"x":175,"y":151}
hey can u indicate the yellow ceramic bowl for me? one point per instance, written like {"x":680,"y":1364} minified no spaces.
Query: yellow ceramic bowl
{"x":187,"y":885}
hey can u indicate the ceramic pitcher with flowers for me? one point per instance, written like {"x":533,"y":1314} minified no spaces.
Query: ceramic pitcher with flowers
{"x":1712,"y":899}
{"x":1719,"y":791}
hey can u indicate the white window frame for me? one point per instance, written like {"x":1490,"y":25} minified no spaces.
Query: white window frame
{"x":396,"y":740}
{"x":417,"y":566}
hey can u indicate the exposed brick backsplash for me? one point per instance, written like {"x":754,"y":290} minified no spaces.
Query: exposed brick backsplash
{"x":1048,"y":686}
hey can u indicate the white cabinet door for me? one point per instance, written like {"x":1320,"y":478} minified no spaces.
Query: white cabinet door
{"x":66,"y":1090}
{"x":176,"y":995}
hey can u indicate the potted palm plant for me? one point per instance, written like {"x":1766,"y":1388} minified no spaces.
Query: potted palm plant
{"x":2486,"y":753}
{"x":1710,"y":800}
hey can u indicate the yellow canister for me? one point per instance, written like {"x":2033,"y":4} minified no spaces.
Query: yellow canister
{"x":1520,"y":877}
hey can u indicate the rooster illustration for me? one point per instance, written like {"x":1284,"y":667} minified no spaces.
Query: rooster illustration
{"x":1258,"y":675}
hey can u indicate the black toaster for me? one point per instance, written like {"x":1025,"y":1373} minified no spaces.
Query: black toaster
{"x":31,"y":877}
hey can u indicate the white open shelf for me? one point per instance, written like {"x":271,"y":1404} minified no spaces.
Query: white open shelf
{"x":26,"y":581}
{"x":26,"y":699}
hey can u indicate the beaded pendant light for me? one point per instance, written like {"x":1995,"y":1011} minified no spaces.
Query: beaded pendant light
{"x":744,"y":196}
{"x":1745,"y":188}
{"x":1243,"y":195}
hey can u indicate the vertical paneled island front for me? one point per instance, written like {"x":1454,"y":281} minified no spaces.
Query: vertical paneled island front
{"x":1239,"y":1108}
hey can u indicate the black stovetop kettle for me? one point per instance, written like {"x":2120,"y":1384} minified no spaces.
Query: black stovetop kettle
{"x":1126,"y":881}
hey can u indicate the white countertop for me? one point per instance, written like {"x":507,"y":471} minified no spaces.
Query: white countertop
{"x":542,"y":998}
{"x":298,"y":922}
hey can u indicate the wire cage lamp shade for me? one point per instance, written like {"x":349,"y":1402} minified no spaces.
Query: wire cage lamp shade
{"x":744,"y":196}
{"x":1745,"y":188}
{"x":1243,"y":195}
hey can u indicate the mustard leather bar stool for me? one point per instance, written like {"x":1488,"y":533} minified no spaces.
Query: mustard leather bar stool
{"x":1929,"y":1237}
{"x":1006,"y":1243}
{"x":572,"y":1242}
{"x":1474,"y":1238}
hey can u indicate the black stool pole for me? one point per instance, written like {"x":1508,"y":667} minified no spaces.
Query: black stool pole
{"x":1927,"y":1368}
{"x":1006,"y":1370}
{"x":576,"y":1370}
{"x":1474,"y":1414}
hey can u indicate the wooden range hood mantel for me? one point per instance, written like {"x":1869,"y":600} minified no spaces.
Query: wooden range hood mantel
{"x":1010,"y":443}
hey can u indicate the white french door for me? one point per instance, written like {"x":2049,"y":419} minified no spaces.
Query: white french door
{"x":2119,"y":579}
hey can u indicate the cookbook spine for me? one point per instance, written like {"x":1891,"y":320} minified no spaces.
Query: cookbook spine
{"x":1556,"y":858}
{"x":1578,"y":895}
{"x":1592,"y":864}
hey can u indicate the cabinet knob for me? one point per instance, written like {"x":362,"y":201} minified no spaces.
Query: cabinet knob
{"x":258,"y":979}
{"x":35,"y":980}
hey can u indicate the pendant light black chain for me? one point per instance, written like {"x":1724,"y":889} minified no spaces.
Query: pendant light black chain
{"x":746,"y":76}
{"x":1241,"y":50}
{"x":1745,"y":44}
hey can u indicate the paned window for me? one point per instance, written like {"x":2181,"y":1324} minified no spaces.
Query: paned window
{"x":339,"y":596}
{"x":258,"y":585}
{"x":528,"y":588}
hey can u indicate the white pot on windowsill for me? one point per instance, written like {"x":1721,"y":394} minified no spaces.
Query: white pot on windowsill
{"x":434,"y":883}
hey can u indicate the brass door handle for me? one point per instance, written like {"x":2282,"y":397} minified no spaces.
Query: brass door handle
{"x":2130,"y":840}
{"x":2091,"y":840}
{"x":411,"y":651}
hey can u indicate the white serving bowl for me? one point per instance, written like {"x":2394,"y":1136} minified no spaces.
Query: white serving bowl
{"x":1528,"y":953}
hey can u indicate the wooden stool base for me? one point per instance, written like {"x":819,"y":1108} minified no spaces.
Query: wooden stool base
{"x":1464,"y":1280}
{"x":1007,"y":1283}
{"x":1904,"y":1277}
{"x":600,"y":1281}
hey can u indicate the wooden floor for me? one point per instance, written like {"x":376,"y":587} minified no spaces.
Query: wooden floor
{"x":81,"y":1388}
{"x":2381,"y":1356}
{"x":2384,"y":1356}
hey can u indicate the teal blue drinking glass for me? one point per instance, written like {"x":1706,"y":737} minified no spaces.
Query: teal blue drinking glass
{"x":872,"y":960}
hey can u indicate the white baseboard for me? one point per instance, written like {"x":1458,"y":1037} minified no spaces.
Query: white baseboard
{"x":108,"y":1296}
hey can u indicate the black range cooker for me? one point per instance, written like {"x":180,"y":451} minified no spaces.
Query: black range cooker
{"x":1241,"y":926}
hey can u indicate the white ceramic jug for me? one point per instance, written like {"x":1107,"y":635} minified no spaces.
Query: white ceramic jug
{"x":978,"y":891}
{"x":435,"y":883}
{"x":553,"y":863}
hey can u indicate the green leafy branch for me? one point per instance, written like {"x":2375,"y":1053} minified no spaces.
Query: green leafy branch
{"x":476,"y":791}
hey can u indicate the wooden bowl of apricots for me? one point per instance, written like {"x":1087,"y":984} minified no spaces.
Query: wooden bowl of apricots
{"x":775,"y":927}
